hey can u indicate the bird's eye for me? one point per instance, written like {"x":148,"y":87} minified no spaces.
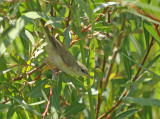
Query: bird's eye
{"x":82,"y":70}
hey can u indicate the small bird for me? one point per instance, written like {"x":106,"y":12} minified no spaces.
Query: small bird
{"x":61,"y":58}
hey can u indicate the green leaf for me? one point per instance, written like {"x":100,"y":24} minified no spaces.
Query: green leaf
{"x":25,"y":105}
{"x":141,"y":66}
{"x":55,"y":23}
{"x":44,"y":95}
{"x":30,"y":37}
{"x":4,"y":107}
{"x":146,"y":9}
{"x":67,"y":37}
{"x":143,"y":101}
{"x":136,"y":44}
{"x":55,"y":99}
{"x":34,"y":15}
{"x":67,"y":91}
{"x":126,"y":114}
{"x":154,"y":6}
{"x":17,"y":58}
{"x":127,"y":65}
{"x":153,"y":32}
{"x":86,"y":8}
{"x":13,"y":33}
{"x":38,"y":5}
{"x":73,"y":109}
{"x":81,"y":42}
{"x":3,"y":67}
{"x":146,"y":33}
{"x":144,"y":17}
{"x":11,"y":111}
{"x":78,"y":83}
{"x":91,"y":62}
{"x":31,"y":4}
{"x":141,"y":79}
{"x":35,"y":92}
{"x":152,"y":62}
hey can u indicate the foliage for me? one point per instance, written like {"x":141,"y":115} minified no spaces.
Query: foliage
{"x":118,"y":41}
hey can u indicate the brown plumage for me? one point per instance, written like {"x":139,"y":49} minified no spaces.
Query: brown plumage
{"x":60,"y":56}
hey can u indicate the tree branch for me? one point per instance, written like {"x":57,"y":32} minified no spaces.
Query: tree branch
{"x":134,"y":79}
{"x":84,"y":30}
{"x":49,"y":100}
{"x":31,"y":72}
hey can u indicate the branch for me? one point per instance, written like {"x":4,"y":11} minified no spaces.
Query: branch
{"x":69,"y":16}
{"x":134,"y":79}
{"x":84,"y":30}
{"x":47,"y":107}
{"x":143,"y":13}
{"x":101,"y":81}
{"x":64,"y":102}
{"x":114,"y":54}
{"x":5,"y":101}
{"x":31,"y":72}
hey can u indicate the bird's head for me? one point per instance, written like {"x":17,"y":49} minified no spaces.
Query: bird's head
{"x":82,"y":70}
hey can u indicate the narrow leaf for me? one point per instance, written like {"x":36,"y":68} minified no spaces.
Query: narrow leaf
{"x":143,"y":101}
{"x":73,"y":109}
{"x":126,"y":114}
{"x":25,"y":105}
{"x":136,"y":44}
{"x":153,"y":32}
{"x":4,"y":107}
{"x":141,"y":66}
{"x":67,"y":36}
{"x":86,"y":8}
{"x":127,"y":65}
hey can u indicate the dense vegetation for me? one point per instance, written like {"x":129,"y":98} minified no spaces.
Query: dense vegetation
{"x":118,"y":41}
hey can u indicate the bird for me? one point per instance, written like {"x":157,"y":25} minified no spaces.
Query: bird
{"x":61,"y":57}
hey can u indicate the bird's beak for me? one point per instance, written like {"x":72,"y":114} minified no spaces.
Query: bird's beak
{"x":89,"y":76}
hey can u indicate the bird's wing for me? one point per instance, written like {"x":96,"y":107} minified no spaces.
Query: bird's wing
{"x":66,"y":56}
{"x":59,"y":47}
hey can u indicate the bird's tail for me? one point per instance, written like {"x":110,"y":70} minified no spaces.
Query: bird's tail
{"x":51,"y":39}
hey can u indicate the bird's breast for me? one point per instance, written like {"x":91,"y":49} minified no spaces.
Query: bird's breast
{"x":58,"y":62}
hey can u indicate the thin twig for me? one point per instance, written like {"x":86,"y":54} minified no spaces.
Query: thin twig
{"x":84,"y":30}
{"x":69,"y":16}
{"x":109,"y":70}
{"x":49,"y":101}
{"x":31,"y":72}
{"x":100,"y":87}
{"x":136,"y":76}
{"x":145,"y":14}
{"x":101,"y":81}
{"x":156,"y":27}
{"x":64,"y":102}
{"x":5,"y":101}
{"x":134,"y":79}
{"x":114,"y":54}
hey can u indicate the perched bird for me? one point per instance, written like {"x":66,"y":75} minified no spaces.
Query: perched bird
{"x":61,"y":58}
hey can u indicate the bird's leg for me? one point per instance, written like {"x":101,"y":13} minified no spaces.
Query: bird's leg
{"x":54,"y":73}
